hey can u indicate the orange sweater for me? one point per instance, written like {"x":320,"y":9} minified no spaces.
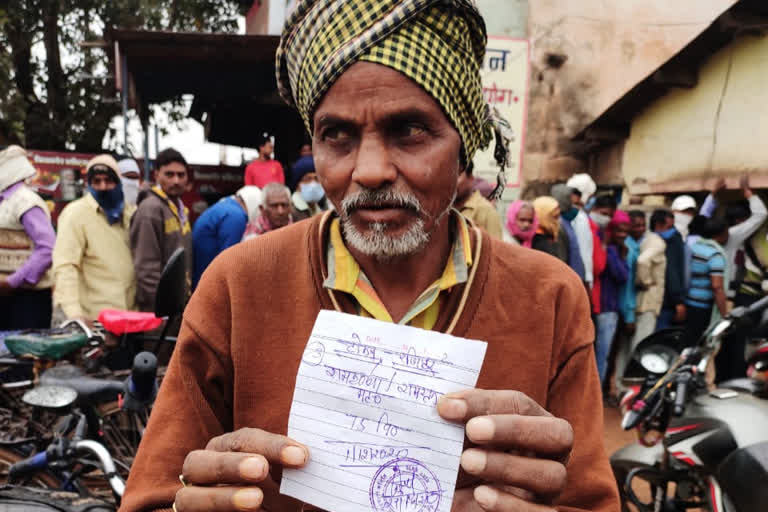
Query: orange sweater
{"x":245,"y":329}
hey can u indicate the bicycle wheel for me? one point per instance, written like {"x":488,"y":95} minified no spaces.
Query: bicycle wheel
{"x":42,"y":480}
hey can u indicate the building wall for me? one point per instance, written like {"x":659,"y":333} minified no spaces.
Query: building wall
{"x":685,"y":140}
{"x":586,"y":55}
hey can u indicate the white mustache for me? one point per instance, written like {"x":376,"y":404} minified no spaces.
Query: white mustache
{"x":379,"y":198}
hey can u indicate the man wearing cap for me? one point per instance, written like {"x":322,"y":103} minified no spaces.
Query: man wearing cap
{"x":222,"y":226}
{"x":583,"y":187}
{"x":26,"y":244}
{"x":684,"y":209}
{"x":390,"y":91}
{"x":160,"y":226}
{"x":92,"y":267}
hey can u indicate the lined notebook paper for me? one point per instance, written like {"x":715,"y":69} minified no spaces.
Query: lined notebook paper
{"x":364,"y":404}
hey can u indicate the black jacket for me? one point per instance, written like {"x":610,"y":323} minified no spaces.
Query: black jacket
{"x":674,"y":289}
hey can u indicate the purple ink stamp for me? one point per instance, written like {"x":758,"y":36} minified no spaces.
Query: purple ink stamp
{"x":405,"y":485}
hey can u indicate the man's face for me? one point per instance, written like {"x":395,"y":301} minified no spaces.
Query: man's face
{"x":637,"y":227}
{"x":464,"y":186}
{"x":277,"y":208}
{"x":604,"y":210}
{"x":576,"y":200}
{"x":172,"y":178}
{"x":102,"y":182}
{"x":388,"y":159}
{"x":266,"y":150}
{"x":310,"y":177}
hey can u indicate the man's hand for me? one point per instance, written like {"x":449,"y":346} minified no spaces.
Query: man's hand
{"x":520,"y":455}
{"x":5,"y":287}
{"x":232,"y":473}
{"x":744,"y":185}
{"x":718,"y":186}
{"x":680,"y":313}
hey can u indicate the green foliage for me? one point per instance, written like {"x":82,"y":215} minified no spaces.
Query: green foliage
{"x":55,"y":94}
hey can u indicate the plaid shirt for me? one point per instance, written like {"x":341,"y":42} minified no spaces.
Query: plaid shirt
{"x":345,"y":275}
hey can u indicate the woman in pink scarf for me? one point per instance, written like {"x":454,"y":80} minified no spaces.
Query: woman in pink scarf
{"x":521,"y":224}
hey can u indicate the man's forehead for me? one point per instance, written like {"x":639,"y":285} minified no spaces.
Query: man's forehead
{"x":277,"y":196}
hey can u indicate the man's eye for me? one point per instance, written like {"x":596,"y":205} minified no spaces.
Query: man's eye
{"x":335,"y":133}
{"x":411,"y":130}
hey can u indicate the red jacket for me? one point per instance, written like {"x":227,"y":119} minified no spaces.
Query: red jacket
{"x":598,"y":265}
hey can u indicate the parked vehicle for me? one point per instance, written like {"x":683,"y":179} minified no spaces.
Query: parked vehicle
{"x":699,"y":449}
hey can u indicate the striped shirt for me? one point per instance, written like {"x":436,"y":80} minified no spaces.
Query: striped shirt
{"x":706,"y":261}
{"x":345,"y":275}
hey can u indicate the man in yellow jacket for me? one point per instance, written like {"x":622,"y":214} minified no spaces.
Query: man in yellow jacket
{"x":92,"y":265}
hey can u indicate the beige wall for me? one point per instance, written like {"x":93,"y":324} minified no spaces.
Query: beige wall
{"x":610,"y":45}
{"x":719,"y":128}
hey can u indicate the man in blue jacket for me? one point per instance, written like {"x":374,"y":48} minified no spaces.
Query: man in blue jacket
{"x":222,"y":225}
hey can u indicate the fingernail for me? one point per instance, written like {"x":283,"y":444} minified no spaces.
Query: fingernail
{"x":452,"y":408}
{"x":474,"y":461}
{"x":253,"y":468}
{"x":480,"y":429}
{"x":247,"y":499}
{"x":293,"y":456}
{"x":486,"y":496}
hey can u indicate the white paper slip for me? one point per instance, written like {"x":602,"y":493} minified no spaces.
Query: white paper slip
{"x":364,"y":404}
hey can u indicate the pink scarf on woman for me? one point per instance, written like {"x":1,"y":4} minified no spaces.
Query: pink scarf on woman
{"x":524,"y":237}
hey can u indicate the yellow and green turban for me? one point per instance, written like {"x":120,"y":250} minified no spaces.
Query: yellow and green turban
{"x":439,"y":44}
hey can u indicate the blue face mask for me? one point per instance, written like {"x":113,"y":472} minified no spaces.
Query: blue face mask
{"x":111,"y":201}
{"x":311,"y":192}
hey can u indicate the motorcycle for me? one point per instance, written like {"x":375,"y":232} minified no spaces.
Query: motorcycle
{"x":698,"y":448}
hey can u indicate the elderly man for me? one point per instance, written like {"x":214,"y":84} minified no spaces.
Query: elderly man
{"x":391,"y":93}
{"x":26,"y":244}
{"x":275,"y":211}
{"x":92,"y":265}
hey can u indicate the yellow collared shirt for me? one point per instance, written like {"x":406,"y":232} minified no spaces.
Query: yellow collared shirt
{"x":345,"y":275}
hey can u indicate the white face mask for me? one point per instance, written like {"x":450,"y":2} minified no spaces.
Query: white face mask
{"x":682,"y":220}
{"x":130,"y":189}
{"x":600,"y":219}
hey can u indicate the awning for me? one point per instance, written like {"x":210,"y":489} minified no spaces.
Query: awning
{"x":232,"y":79}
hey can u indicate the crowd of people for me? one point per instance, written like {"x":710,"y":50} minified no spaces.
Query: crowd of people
{"x":110,"y":246}
{"x":644,"y":271}
{"x":680,"y":267}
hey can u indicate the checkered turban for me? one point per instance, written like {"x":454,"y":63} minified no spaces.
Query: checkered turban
{"x":439,"y":44}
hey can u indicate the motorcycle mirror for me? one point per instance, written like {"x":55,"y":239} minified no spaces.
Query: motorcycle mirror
{"x":50,"y":397}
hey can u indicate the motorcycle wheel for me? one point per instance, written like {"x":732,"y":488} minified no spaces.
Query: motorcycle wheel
{"x":42,"y":480}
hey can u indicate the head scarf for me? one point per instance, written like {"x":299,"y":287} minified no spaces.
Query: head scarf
{"x":439,"y":44}
{"x":583,"y":183}
{"x":252,"y":197}
{"x":525,"y":237}
{"x":130,"y":185}
{"x":544,"y":207}
{"x":111,"y":201}
{"x":14,"y":167}
{"x":620,"y":217}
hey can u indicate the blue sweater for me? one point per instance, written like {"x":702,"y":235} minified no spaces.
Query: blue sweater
{"x":220,"y":226}
{"x":612,"y":280}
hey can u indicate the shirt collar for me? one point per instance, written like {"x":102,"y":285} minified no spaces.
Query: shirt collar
{"x":345,"y":274}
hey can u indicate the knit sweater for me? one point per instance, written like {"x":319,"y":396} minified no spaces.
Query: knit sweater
{"x":246,"y":327}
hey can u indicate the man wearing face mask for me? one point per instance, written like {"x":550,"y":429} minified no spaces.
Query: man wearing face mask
{"x":673,"y":308}
{"x":309,"y":198}
{"x":92,"y":264}
{"x":568,"y":214}
{"x":684,"y":209}
{"x":582,"y":187}
{"x":130,"y":179}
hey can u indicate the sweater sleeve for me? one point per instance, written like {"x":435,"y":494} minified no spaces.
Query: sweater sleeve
{"x":574,"y":394}
{"x":147,"y":231}
{"x":194,"y":403}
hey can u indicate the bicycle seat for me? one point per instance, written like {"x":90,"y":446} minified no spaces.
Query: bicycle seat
{"x":127,"y":322}
{"x":51,"y":344}
{"x":87,"y":388}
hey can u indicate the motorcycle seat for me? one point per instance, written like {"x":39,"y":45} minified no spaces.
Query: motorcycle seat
{"x":743,"y":475}
{"x":51,"y":344}
{"x":87,"y":388}
{"x":120,"y":322}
